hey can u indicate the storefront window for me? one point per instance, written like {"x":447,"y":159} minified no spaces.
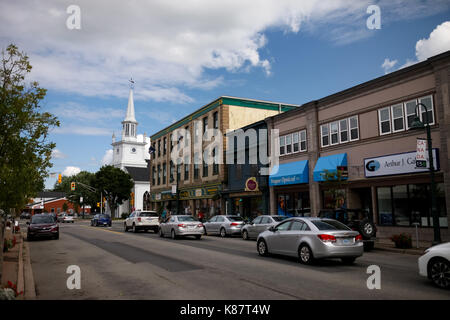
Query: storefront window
{"x":400,"y":200}
{"x":294,"y":204}
{"x":384,"y":205}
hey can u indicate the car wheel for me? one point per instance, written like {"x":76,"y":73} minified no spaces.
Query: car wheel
{"x":96,"y":223}
{"x":223,"y":232}
{"x":262,"y":248}
{"x":439,"y":270}
{"x":135,"y":230}
{"x":369,"y":245}
{"x":173,"y":235}
{"x":56,"y":237}
{"x":348,"y":260}
{"x":161,"y":233}
{"x":367,"y":229}
{"x":125,"y":228}
{"x":305,"y":254}
{"x":198,"y":237}
{"x":245,"y":235}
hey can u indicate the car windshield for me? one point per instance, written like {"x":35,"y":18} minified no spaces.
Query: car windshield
{"x":279,"y":218}
{"x":235,"y":218}
{"x":42,"y":219}
{"x":103,"y":216}
{"x":329,"y":225}
{"x":186,"y":219}
{"x":148,"y":214}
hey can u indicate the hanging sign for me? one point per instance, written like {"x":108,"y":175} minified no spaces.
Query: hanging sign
{"x":421,"y":153}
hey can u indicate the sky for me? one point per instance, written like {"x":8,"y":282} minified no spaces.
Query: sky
{"x":184,"y":54}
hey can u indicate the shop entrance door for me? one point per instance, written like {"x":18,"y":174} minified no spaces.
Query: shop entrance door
{"x":365,"y":199}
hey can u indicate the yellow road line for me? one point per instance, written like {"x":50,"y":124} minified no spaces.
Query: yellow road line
{"x":101,"y":229}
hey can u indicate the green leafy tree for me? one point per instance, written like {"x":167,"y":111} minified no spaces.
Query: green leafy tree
{"x":25,"y":151}
{"x":334,"y":185}
{"x":65,"y":207}
{"x":116,"y":185}
{"x":89,"y":198}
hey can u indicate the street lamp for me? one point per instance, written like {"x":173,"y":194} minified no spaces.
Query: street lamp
{"x":178,"y":177}
{"x":418,"y":125}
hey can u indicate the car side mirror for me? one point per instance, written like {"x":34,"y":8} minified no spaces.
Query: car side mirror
{"x":273,"y":229}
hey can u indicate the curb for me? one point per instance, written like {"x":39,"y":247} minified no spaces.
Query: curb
{"x":418,"y":252}
{"x":20,"y":279}
{"x":28,"y":279}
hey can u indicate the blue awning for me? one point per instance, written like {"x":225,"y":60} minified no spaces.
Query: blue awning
{"x":330,"y":164}
{"x":290,"y":173}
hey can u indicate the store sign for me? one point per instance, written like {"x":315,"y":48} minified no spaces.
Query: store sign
{"x":394,"y":164}
{"x":158,"y":196}
{"x":421,"y":153}
{"x":251,"y":184}
{"x":343,"y":170}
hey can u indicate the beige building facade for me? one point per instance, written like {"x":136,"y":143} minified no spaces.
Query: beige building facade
{"x":365,"y":131}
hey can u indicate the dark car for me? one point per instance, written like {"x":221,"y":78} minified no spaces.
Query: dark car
{"x":42,"y":226}
{"x":356,"y":219}
{"x":25,"y":215}
{"x":101,"y":220}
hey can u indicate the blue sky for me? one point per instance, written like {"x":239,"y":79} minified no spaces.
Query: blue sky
{"x":183,"y":58}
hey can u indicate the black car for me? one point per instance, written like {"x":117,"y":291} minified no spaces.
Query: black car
{"x":356,"y":219}
{"x":42,"y":226}
{"x":25,"y":215}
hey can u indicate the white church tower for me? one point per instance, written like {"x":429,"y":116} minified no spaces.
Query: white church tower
{"x":131,"y":155}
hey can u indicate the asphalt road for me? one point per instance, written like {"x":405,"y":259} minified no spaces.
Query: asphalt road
{"x":119,"y":265}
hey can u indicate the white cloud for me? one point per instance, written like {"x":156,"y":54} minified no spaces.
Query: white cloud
{"x":57,"y":154}
{"x":71,"y":171}
{"x":82,"y":130}
{"x":438,"y":42}
{"x":167,"y":45}
{"x":73,"y":110}
{"x":107,"y":157}
{"x":388,"y":65}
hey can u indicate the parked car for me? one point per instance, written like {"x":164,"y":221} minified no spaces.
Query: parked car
{"x":101,"y":220}
{"x":310,"y":239}
{"x":181,"y":226}
{"x":224,"y":225}
{"x":42,"y":225}
{"x":142,"y":220}
{"x":68,"y":219}
{"x":25,"y":215}
{"x":435,"y":264}
{"x":356,"y":219}
{"x":259,"y":224}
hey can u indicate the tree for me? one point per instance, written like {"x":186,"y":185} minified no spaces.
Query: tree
{"x":65,"y":207}
{"x":115,"y":184}
{"x":334,"y":185}
{"x":89,"y":198}
{"x":25,"y":151}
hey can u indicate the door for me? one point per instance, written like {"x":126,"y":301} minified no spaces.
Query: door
{"x":252,"y":228}
{"x":293,"y":236}
{"x":266,"y":223}
{"x":209,"y":225}
{"x":276,"y":239}
{"x":218,"y":223}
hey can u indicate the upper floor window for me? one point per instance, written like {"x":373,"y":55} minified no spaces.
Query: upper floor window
{"x":164,"y":174}
{"x":215,"y":162}
{"x":165,"y":146}
{"x":159,"y":148}
{"x":400,"y":117}
{"x":293,"y":142}
{"x":205,"y":124}
{"x":186,"y":138}
{"x":159,"y":174}
{"x":186,"y":167}
{"x":340,"y":131}
{"x":153,"y":175}
{"x":216,"y":120}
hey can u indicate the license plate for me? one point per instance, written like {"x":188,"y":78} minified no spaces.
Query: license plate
{"x":346,"y":241}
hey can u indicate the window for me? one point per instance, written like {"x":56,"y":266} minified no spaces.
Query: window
{"x":289,"y":143}
{"x":303,"y":140}
{"x":205,"y":124}
{"x":428,"y":102}
{"x":165,"y":146}
{"x":398,"y":123}
{"x":325,"y":135}
{"x":257,"y":220}
{"x":159,"y":174}
{"x":196,"y":166}
{"x":171,"y":171}
{"x":343,"y":130}
{"x":354,"y":131}
{"x":410,"y":111}
{"x":295,"y":142}
{"x":385,"y":121}
{"x":186,"y":168}
{"x":159,"y":148}
{"x":299,"y":226}
{"x":216,"y":120}
{"x":284,"y":226}
{"x":334,"y":131}
{"x":205,"y":168}
{"x":153,"y":175}
{"x":164,"y":174}
{"x":282,"y":145}
{"x":215,"y":162}
{"x":187,"y":137}
{"x":178,"y":172}
{"x":171,"y":142}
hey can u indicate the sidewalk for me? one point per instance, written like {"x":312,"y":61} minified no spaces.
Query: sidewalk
{"x":17,"y":267}
{"x":388,"y":245}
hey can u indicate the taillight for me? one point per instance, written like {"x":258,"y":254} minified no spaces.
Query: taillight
{"x":359,"y":238}
{"x":139,"y":219}
{"x":234,"y":224}
{"x":327,"y":237}
{"x":200,"y":225}
{"x":182,"y":225}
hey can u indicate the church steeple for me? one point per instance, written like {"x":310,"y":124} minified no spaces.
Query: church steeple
{"x":129,"y":124}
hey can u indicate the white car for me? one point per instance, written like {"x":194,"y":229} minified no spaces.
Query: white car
{"x":68,"y":219}
{"x":142,"y":220}
{"x":435,"y":264}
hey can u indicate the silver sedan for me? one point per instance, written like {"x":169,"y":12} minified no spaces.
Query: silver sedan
{"x":181,"y":226}
{"x":310,"y":239}
{"x":260,"y":224}
{"x":224,"y":225}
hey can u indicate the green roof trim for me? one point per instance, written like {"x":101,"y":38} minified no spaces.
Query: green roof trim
{"x":223,"y":101}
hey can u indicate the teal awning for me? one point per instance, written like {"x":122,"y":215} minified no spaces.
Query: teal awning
{"x":330,"y":164}
{"x":290,"y":173}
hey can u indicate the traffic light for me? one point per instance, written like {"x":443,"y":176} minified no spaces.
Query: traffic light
{"x":98,"y":204}
{"x":72,"y":186}
{"x":59,"y":178}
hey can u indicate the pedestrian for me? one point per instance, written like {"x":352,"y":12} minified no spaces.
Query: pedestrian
{"x":163,"y":214}
{"x":200,"y":216}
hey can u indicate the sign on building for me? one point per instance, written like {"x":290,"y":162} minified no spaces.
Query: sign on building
{"x":421,"y":153}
